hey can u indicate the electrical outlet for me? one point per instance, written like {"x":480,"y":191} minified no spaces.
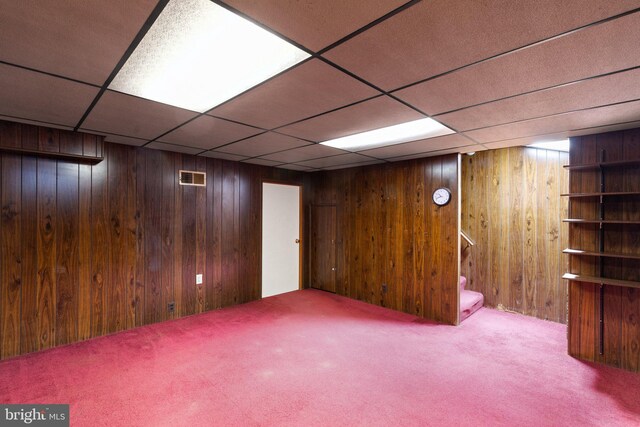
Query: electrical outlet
{"x":198,"y":279}
{"x":171,"y":307}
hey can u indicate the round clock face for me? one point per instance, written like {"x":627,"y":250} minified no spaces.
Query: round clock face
{"x":441,"y":196}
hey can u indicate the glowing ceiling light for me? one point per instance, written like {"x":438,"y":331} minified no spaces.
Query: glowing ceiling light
{"x":198,"y":54}
{"x":560,"y":145}
{"x":396,"y":134}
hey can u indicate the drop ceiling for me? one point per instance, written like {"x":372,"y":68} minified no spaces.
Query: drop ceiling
{"x":499,"y":73}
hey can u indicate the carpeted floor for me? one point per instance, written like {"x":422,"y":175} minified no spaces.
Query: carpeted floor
{"x":311,"y":358}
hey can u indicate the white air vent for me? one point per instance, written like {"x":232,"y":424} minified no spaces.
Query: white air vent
{"x":199,"y":179}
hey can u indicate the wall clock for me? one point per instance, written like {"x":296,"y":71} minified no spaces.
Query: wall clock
{"x":441,"y":196}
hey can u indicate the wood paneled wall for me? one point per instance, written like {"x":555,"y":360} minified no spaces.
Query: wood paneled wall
{"x":511,"y":207}
{"x":621,"y":305}
{"x":390,"y":233}
{"x":91,"y":250}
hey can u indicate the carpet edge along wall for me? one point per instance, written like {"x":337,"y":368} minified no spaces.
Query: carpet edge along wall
{"x":89,"y":250}
{"x":512,"y":208}
{"x":394,"y":247}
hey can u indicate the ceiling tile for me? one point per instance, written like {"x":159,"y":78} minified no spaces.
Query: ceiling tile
{"x":561,"y":135}
{"x":462,"y":150}
{"x":511,"y":143}
{"x":342,"y":159}
{"x":171,"y":147}
{"x":223,"y":156}
{"x":354,"y":165}
{"x":34,"y":122}
{"x":36,"y":96}
{"x":134,"y":117}
{"x":265,"y":143}
{"x":436,"y":36}
{"x":306,"y":90}
{"x":596,"y":50}
{"x":421,"y":146}
{"x":295,"y":167}
{"x":372,"y":114}
{"x":118,"y":139}
{"x":208,"y":132}
{"x":315,"y":25}
{"x":606,"y":128}
{"x":308,"y":152}
{"x":262,"y":162}
{"x":602,"y":116}
{"x":589,"y":93}
{"x":83,"y":40}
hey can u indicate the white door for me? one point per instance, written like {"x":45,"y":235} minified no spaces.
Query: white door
{"x":280,"y":239}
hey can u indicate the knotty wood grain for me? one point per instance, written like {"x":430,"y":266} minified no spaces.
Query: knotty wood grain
{"x":11,"y":255}
{"x":29,"y":316}
{"x":516,"y":229}
{"x":513,"y":196}
{"x":215,"y":249}
{"x":389,"y":232}
{"x":116,"y":305}
{"x":201,"y":238}
{"x":137,"y":301}
{"x":229,"y":248}
{"x":67,"y":248}
{"x":46,"y":249}
{"x":100,"y":254}
{"x":178,"y":238}
{"x":88,"y":250}
{"x":133,"y":312}
{"x":153,"y":310}
{"x":189,"y":294}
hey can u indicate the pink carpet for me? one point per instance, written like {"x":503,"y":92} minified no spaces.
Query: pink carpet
{"x":312,"y":358}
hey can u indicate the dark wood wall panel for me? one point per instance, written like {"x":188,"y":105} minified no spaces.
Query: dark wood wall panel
{"x":167,"y":233}
{"x":151,"y":228}
{"x":621,"y":305}
{"x":117,"y":211}
{"x":100,"y":252}
{"x":46,"y":250}
{"x":188,"y":228}
{"x":67,"y":253}
{"x":29,"y":234}
{"x":177,"y":240}
{"x":390,"y":234}
{"x":511,"y":207}
{"x":90,"y":250}
{"x":11,"y":252}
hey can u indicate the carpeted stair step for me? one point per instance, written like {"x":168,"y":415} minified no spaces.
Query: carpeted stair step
{"x":470,"y":301}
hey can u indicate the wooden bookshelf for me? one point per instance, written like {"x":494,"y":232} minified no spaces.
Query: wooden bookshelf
{"x":601,"y":221}
{"x":602,"y":165}
{"x":600,"y":254}
{"x":601,"y":280}
{"x":599,"y":194}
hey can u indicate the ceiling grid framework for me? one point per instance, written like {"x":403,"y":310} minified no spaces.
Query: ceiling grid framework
{"x":499,"y":73}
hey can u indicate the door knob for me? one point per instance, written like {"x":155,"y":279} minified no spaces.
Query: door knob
{"x":297,"y":240}
{"x":333,"y":269}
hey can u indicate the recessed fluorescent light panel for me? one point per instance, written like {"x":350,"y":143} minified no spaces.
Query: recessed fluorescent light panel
{"x":561,"y":145}
{"x":198,"y":54}
{"x":391,"y":135}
